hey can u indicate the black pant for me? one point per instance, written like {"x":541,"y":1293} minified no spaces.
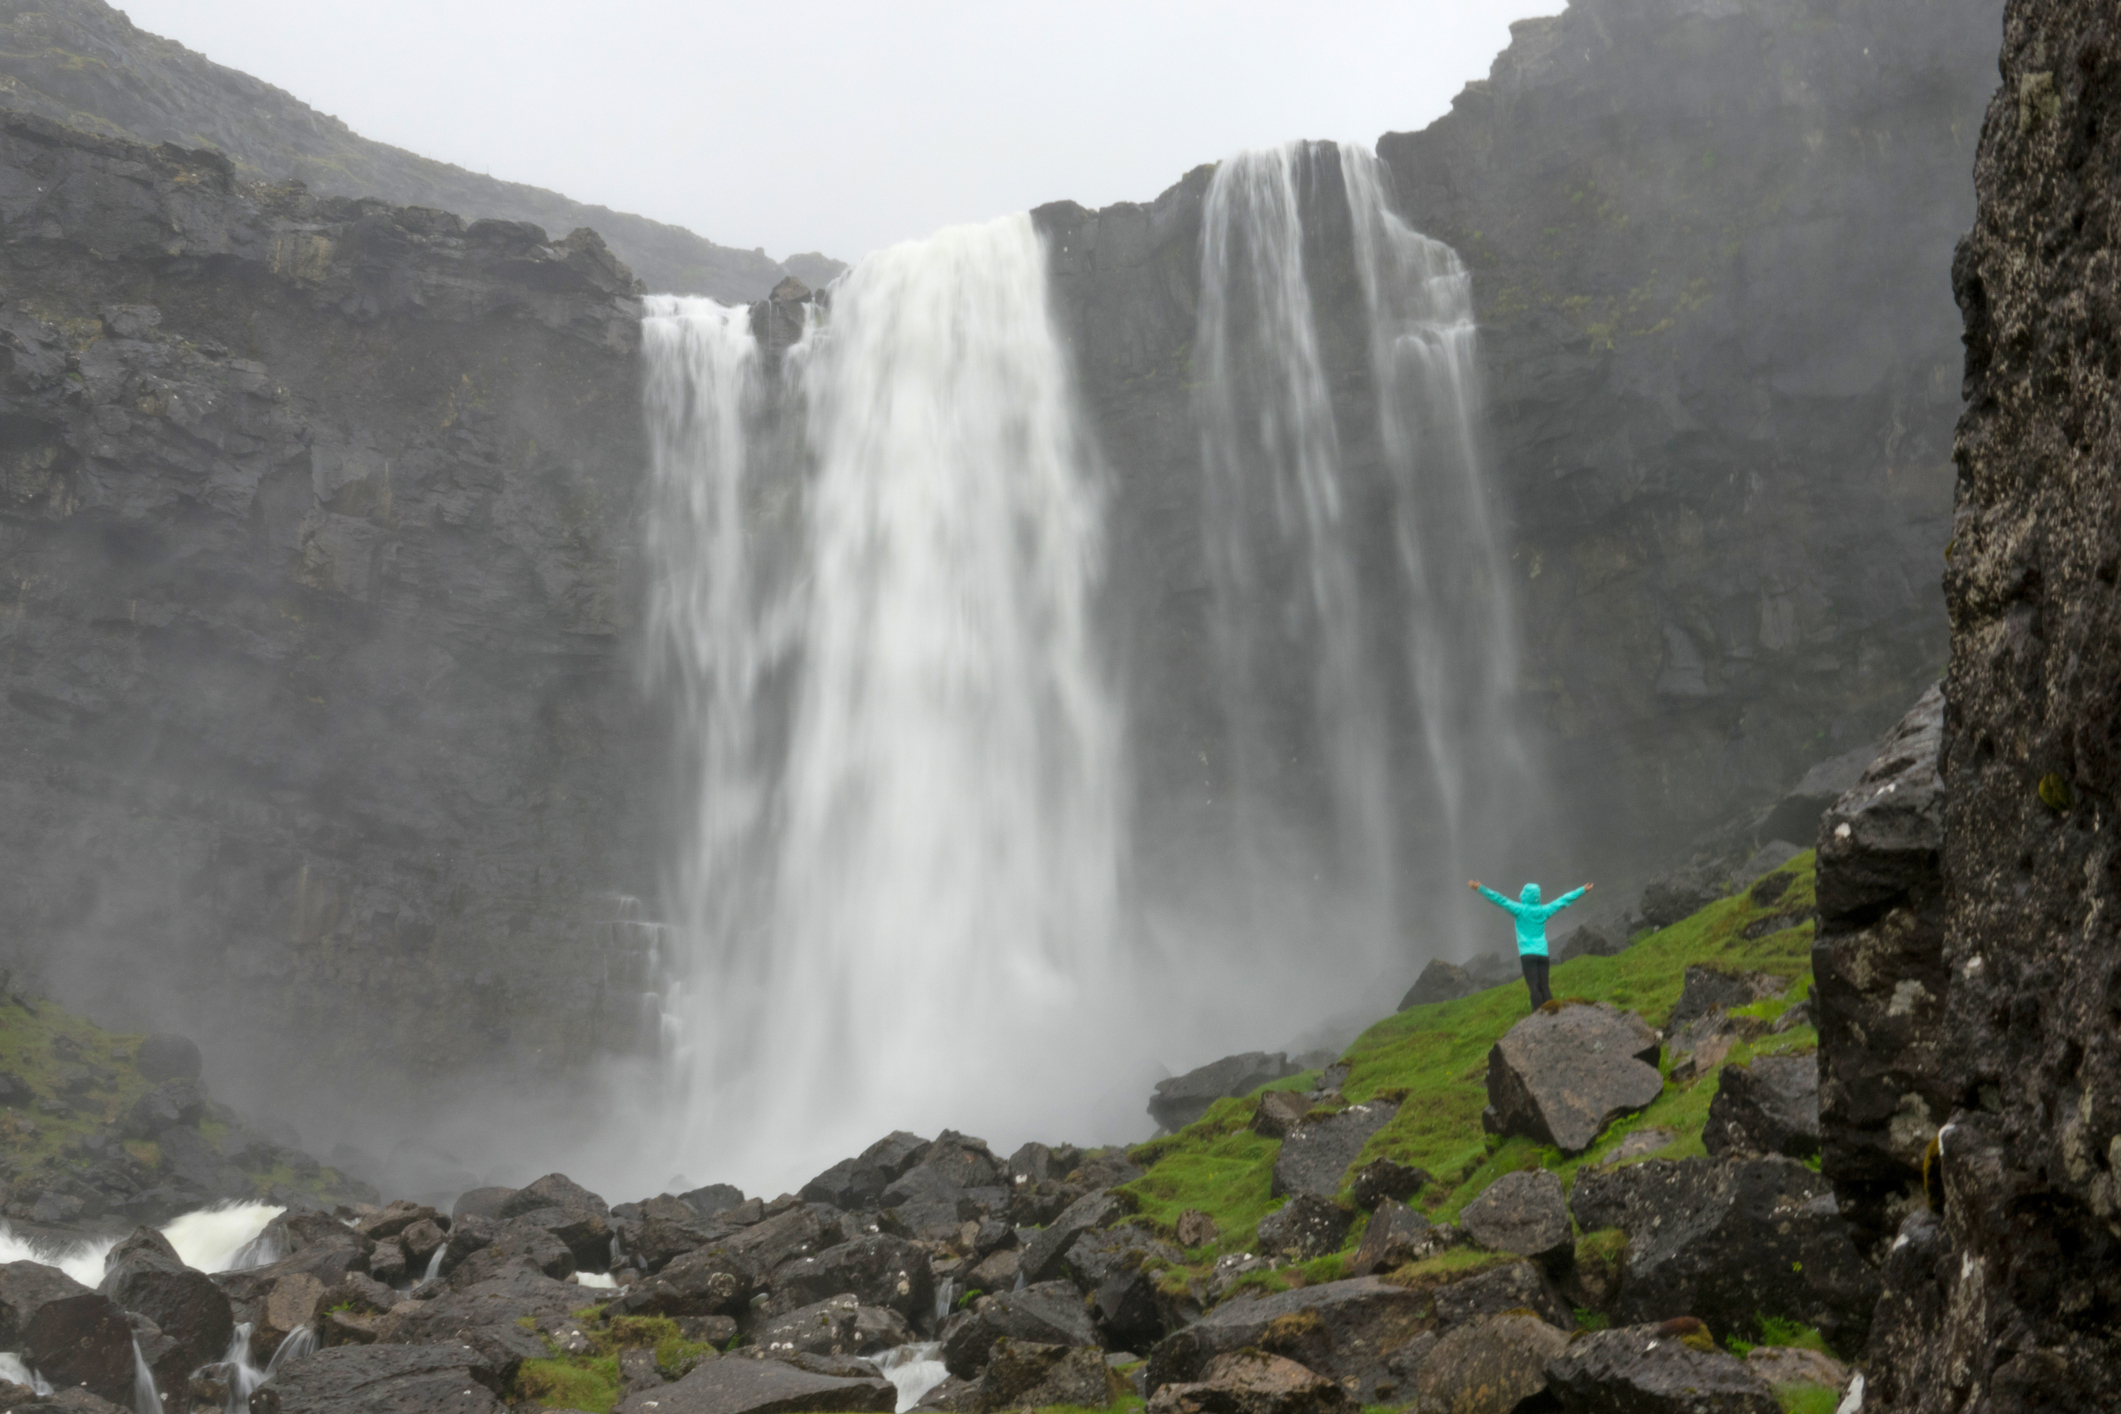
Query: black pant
{"x":1535,"y":979}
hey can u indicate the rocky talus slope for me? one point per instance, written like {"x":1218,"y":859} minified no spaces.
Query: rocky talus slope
{"x":2004,"y":1280}
{"x":85,"y":64}
{"x":1360,"y":1235}
{"x":316,"y":518}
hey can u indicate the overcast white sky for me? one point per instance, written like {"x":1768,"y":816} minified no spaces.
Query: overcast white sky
{"x":822,"y":124}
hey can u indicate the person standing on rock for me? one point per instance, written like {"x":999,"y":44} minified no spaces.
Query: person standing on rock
{"x":1531,"y":916}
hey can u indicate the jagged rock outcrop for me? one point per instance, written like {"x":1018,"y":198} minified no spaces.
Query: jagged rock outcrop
{"x":2001,"y":1295}
{"x":85,"y":64}
{"x":317,"y":517}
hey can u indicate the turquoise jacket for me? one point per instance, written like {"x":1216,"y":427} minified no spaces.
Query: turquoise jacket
{"x":1531,"y":915}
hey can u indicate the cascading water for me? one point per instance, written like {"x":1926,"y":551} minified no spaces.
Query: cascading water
{"x":928,"y":848}
{"x":1360,"y":599}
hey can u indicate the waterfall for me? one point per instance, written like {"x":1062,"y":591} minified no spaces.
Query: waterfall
{"x":907,"y":830}
{"x":1362,"y":618}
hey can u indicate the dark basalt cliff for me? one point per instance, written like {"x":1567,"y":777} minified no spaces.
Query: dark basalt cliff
{"x":315,"y":517}
{"x":1710,"y":247}
{"x":86,"y":65}
{"x":2004,"y":1287}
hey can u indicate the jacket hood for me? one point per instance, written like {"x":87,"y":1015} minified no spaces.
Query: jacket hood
{"x":1530,"y":894}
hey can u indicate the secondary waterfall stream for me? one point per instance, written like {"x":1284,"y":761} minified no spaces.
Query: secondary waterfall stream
{"x":877,"y":556}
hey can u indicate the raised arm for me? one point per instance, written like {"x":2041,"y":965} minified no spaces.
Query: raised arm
{"x":1570,"y":897}
{"x":1501,"y":901}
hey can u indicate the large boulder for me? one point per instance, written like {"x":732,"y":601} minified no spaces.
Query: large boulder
{"x":1253,"y":1382}
{"x":166,"y":1057}
{"x":1045,"y":1256}
{"x":1024,"y":1374}
{"x":1561,"y":1076}
{"x":1730,"y":1241}
{"x":1523,"y":1212}
{"x":382,"y":1379}
{"x":1512,"y":1286}
{"x":1487,"y":1365}
{"x":501,"y":1300}
{"x":879,"y":1270}
{"x":1708,"y":988}
{"x":1306,"y":1226}
{"x":506,"y":1245}
{"x":828,"y":1327}
{"x":143,"y":1274}
{"x":82,"y":1340}
{"x":1382,"y":1179}
{"x":1396,"y":1235}
{"x":1440,"y":981}
{"x":859,"y":1182}
{"x":1654,"y":1370}
{"x":1343,"y":1330}
{"x":1768,"y":1107}
{"x":1317,"y":1155}
{"x":1116,"y":1269}
{"x":732,"y":1386}
{"x":25,"y":1287}
{"x":1050,"y":1313}
{"x":1183,"y":1099}
{"x":554,"y":1190}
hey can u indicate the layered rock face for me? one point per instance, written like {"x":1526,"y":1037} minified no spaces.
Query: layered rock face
{"x":1709,"y":247}
{"x":2002,"y":1295}
{"x":84,"y":64}
{"x":316,"y":519}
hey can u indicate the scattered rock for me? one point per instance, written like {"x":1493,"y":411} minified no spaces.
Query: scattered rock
{"x":1524,"y":1213}
{"x":1781,"y":1366}
{"x":82,"y":1340}
{"x":1707,"y":988}
{"x":1677,"y":896}
{"x":554,"y":1190}
{"x":1316,"y":1156}
{"x":1487,"y":1364}
{"x":878,"y":1270}
{"x":1050,"y":1313}
{"x":1381,"y":1179}
{"x":1591,"y":940}
{"x":1185,"y":1098}
{"x":144,"y":1274}
{"x":1768,"y":1107}
{"x":1342,"y":1330}
{"x":1028,"y":1374}
{"x":1513,"y":1286}
{"x":1560,"y":1077}
{"x":1724,"y":1241}
{"x":25,"y":1288}
{"x":1654,"y":1370}
{"x":355,"y":1379}
{"x":826,"y":1328}
{"x":858,"y":1183}
{"x":479,"y":1203}
{"x":165,"y":1057}
{"x":1253,"y":1382}
{"x":1045,"y":1254}
{"x":1396,"y":1235}
{"x":1196,"y":1229}
{"x":1280,"y":1112}
{"x":1440,"y":981}
{"x":1306,"y":1226}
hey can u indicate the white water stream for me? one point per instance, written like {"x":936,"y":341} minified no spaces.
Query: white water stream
{"x":900,"y":902}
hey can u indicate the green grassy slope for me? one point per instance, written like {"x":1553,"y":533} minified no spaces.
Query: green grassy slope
{"x":1433,"y":1060}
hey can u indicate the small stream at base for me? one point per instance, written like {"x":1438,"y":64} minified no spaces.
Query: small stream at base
{"x":915,"y":1369}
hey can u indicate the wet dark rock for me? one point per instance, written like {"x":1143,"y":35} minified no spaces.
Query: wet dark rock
{"x":860,"y":1182}
{"x":879,"y":1270}
{"x":1028,"y":1374}
{"x":143,"y":1274}
{"x":388,"y":1262}
{"x":1523,"y":1213}
{"x":825,"y":1327}
{"x":166,"y":1359}
{"x":1667,"y":900}
{"x":1253,"y":1382}
{"x":395,"y":1218}
{"x":25,"y":1288}
{"x":1395,"y":1236}
{"x":1513,"y":1286}
{"x":732,"y":1386}
{"x":1306,"y":1226}
{"x":82,"y":1340}
{"x":1770,"y":1106}
{"x":1342,"y":1330}
{"x":1317,"y":1155}
{"x":1490,"y":1362}
{"x":1036,"y":1163}
{"x":1045,"y":1256}
{"x":166,"y":1057}
{"x":585,"y":1234}
{"x":554,"y":1190}
{"x":500,"y":1300}
{"x":1381,"y":1179}
{"x":1591,"y":940}
{"x":1708,"y":988}
{"x":1129,"y":1306}
{"x":721,"y":1203}
{"x":1880,"y":991}
{"x":1726,"y":1241}
{"x":1104,"y":1168}
{"x":1049,"y":1313}
{"x":420,"y":1242}
{"x":1280,"y":1113}
{"x":1561,"y":1076}
{"x":1440,"y":981}
{"x":355,"y":1379}
{"x":511,"y":1243}
{"x":959,"y":1160}
{"x":997,"y":1271}
{"x":654,"y":1243}
{"x":480,"y":1203}
{"x":1185,"y":1098}
{"x":171,"y":1103}
{"x":1653,"y":1370}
